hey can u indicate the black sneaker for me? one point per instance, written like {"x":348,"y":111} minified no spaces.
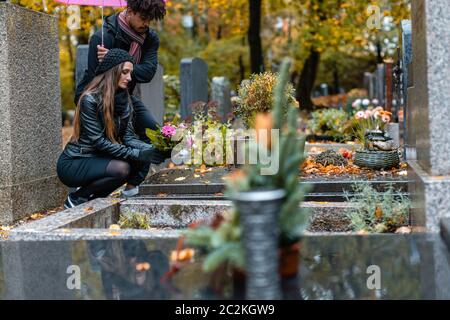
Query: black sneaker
{"x":72,"y":201}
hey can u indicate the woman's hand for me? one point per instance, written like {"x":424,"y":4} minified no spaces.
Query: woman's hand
{"x":153,"y":155}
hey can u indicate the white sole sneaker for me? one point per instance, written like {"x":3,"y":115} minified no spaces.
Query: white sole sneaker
{"x":130,"y":193}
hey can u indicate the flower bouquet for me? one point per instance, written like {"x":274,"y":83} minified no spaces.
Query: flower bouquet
{"x":165,"y":138}
{"x":379,"y":149}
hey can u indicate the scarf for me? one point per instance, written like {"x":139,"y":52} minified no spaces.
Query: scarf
{"x":137,"y":40}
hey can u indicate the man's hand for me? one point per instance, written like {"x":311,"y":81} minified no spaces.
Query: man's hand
{"x":101,"y":52}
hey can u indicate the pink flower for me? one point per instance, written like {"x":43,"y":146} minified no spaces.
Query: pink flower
{"x":190,"y":141}
{"x":359,"y":115}
{"x":182,"y":126}
{"x":367,"y":114}
{"x":168,"y":131}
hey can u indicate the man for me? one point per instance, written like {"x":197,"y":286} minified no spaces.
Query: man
{"x":129,"y":30}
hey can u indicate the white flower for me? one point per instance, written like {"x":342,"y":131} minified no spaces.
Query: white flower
{"x":375,"y":102}
{"x":357,"y":103}
{"x":359,"y":115}
{"x":366,"y":102}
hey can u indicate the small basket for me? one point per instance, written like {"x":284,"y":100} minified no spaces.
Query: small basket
{"x":377,"y":159}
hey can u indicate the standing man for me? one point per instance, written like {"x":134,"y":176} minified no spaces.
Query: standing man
{"x":129,"y":30}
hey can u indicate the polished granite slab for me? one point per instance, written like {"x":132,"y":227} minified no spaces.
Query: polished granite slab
{"x":413,"y":266}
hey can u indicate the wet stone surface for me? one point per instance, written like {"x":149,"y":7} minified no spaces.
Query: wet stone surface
{"x":331,"y":267}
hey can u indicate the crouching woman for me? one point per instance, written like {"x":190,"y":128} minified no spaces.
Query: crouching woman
{"x":104,"y":153}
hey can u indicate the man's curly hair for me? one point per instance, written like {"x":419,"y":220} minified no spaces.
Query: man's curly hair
{"x":152,"y":9}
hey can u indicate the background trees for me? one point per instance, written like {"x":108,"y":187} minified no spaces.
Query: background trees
{"x":329,"y":40}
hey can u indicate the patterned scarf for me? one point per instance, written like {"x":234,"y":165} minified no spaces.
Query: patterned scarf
{"x":137,"y":40}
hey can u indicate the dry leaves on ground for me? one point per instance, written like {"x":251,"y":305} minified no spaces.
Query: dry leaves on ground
{"x":203,"y":169}
{"x":36,"y":216}
{"x":309,"y":166}
{"x":161,"y":195}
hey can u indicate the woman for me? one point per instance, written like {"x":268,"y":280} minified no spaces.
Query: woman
{"x":103,"y":153}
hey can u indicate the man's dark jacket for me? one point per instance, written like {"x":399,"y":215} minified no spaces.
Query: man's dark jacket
{"x":114,"y":37}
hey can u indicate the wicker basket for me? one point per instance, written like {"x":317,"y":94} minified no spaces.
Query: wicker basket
{"x":377,"y":159}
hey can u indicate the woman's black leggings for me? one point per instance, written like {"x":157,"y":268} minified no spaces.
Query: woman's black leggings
{"x":97,"y":177}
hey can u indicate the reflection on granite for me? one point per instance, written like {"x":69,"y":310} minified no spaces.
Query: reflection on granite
{"x":332,"y":267}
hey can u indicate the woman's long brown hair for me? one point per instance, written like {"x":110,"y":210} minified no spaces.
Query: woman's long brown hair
{"x":104,"y":85}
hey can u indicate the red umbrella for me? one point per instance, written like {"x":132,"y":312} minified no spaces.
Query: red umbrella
{"x":96,"y":3}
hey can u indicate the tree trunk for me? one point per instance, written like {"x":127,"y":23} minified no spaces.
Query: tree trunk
{"x":241,"y":68}
{"x":254,"y":38}
{"x":336,"y":84}
{"x":306,"y":82}
{"x":219,"y":33}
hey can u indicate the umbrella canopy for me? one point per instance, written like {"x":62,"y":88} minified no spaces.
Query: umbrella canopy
{"x":95,"y":3}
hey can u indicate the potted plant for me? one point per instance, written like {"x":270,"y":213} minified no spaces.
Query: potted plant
{"x":379,"y":150}
{"x":279,"y":195}
{"x":329,"y":125}
{"x":256,"y":95}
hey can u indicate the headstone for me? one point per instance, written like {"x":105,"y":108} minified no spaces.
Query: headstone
{"x":81,"y":62}
{"x":367,"y":82}
{"x":406,"y":59}
{"x":30,"y":112}
{"x":389,"y":87}
{"x":324,"y":89}
{"x":380,"y":84}
{"x":220,"y":92}
{"x":373,"y":87}
{"x":194,"y":84}
{"x":393,"y":129}
{"x":152,"y":95}
{"x":430,"y":102}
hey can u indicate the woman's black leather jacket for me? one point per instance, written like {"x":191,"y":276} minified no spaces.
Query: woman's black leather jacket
{"x":93,"y":140}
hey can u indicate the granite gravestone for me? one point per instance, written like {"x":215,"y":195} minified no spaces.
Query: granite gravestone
{"x":81,"y":62}
{"x":220,"y":92}
{"x":30,"y":112}
{"x":152,"y":95}
{"x":406,"y":59}
{"x":324,"y":89}
{"x":194,"y":84}
{"x":380,"y":89}
{"x":429,"y":100}
{"x":368,"y":84}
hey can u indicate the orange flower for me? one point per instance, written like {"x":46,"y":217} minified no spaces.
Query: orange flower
{"x":263,"y":127}
{"x":182,"y":255}
{"x":385,"y":118}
